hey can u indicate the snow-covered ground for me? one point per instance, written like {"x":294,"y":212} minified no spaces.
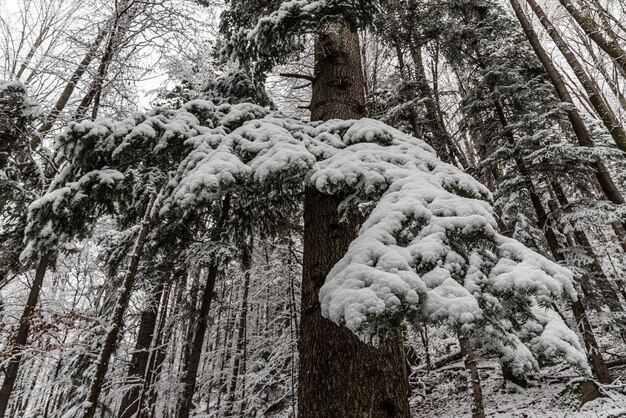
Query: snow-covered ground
{"x":547,"y":397}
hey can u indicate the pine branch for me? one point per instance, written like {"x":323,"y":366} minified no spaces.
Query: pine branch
{"x":298,"y":75}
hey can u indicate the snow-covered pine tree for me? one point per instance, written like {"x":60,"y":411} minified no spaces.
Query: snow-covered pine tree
{"x":162,"y":139}
{"x":519,"y":127}
{"x":21,"y":180}
{"x":428,"y":250}
{"x":282,"y":24}
{"x":22,"y":171}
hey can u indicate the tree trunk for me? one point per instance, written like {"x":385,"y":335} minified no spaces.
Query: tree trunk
{"x":225,"y":357}
{"x":591,"y":28}
{"x":478,"y":410}
{"x":340,"y":376}
{"x":593,"y":352}
{"x":110,"y":342}
{"x":141,"y":354}
{"x":41,"y":36}
{"x":74,"y":78}
{"x":597,"y":363}
{"x":147,"y":399}
{"x":10,"y":373}
{"x":613,"y":82}
{"x":591,"y":88}
{"x":446,"y":149}
{"x":185,"y":399}
{"x":605,"y":181}
{"x":95,"y":88}
{"x":240,"y":349}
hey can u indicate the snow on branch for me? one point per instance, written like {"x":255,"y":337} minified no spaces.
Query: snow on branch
{"x":276,"y":35}
{"x":429,"y":249}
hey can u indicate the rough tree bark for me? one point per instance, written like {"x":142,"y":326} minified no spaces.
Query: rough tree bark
{"x":339,"y":375}
{"x":478,"y":409}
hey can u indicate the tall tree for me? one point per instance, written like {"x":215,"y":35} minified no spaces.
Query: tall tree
{"x":579,"y":127}
{"x":357,"y":379}
{"x":594,"y":94}
{"x":610,"y":46}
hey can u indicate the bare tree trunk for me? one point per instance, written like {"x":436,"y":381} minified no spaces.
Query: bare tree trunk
{"x":125,"y":12}
{"x":446,"y":149}
{"x":225,"y":354}
{"x":41,"y":36}
{"x":598,"y":365}
{"x":415,"y":127}
{"x":339,"y":375}
{"x":147,"y":399}
{"x":240,"y":353}
{"x":591,"y":88}
{"x":605,"y":181}
{"x":140,"y":357}
{"x":185,"y":399}
{"x":110,"y":342}
{"x":74,"y":78}
{"x":478,"y":410}
{"x":612,"y":82}
{"x":610,"y":46}
{"x":10,"y":373}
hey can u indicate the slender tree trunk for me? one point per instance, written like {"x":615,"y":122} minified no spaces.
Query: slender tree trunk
{"x":415,"y":127}
{"x":66,"y":94}
{"x":224,"y":358}
{"x":478,"y":410}
{"x":612,"y":82}
{"x":598,"y":365}
{"x":213,"y":347}
{"x":593,"y":352}
{"x":140,"y":357}
{"x":609,"y":294}
{"x":339,"y":376}
{"x":591,"y":88}
{"x":147,"y":399}
{"x":110,"y":342}
{"x":185,"y":399}
{"x":10,"y":373}
{"x":446,"y":149}
{"x":123,"y":17}
{"x":41,"y":36}
{"x":240,"y":353}
{"x":610,"y":46}
{"x":602,"y":175}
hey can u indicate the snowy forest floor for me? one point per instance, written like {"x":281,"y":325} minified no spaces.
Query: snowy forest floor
{"x":546,"y":397}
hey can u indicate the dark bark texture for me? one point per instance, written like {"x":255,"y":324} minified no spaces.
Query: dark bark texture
{"x":140,"y":356}
{"x":340,"y":376}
